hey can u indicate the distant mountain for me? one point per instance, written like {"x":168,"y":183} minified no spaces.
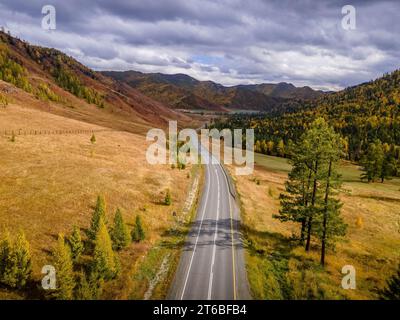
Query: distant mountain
{"x":44,"y":76}
{"x":180,"y":91}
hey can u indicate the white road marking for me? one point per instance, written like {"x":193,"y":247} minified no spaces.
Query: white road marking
{"x":215,"y":238}
{"x":198,"y":234}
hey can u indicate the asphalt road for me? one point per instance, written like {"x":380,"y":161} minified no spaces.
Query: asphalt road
{"x":212,"y":262}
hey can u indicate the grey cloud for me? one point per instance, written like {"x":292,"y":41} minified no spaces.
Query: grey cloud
{"x":256,"y":41}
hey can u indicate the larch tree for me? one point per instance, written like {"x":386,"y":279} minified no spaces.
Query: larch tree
{"x":65,"y":281}
{"x":17,"y":265}
{"x":138,"y":233}
{"x":120,"y":233}
{"x":76,"y":244}
{"x":98,"y":214}
{"x":105,"y":262}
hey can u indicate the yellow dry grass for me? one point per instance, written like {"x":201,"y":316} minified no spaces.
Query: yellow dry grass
{"x":278,"y":269}
{"x":48,"y":183}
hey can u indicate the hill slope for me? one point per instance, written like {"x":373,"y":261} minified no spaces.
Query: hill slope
{"x":49,"y":79}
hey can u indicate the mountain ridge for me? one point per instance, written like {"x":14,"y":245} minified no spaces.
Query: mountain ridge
{"x":209,"y":95}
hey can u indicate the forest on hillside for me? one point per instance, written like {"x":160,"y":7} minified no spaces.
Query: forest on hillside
{"x":366,"y":116}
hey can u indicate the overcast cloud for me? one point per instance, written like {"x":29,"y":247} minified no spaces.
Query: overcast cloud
{"x":227,"y":41}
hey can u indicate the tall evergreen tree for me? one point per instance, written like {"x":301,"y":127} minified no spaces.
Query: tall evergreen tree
{"x":63,"y":264}
{"x":313,"y":183}
{"x":372,"y":162}
{"x":295,"y":200}
{"x":119,"y":233}
{"x":99,"y":213}
{"x":138,"y":233}
{"x":105,"y":262}
{"x":76,"y":244}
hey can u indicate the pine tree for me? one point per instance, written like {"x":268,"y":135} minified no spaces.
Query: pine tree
{"x":313,"y":183}
{"x":99,"y":213}
{"x":294,"y":201}
{"x":105,"y":263}
{"x":138,"y":233}
{"x":76,"y":244}
{"x":372,"y":162}
{"x":331,"y":225}
{"x":93,"y":139}
{"x":119,"y":233}
{"x":389,"y":166}
{"x":63,"y":264}
{"x":18,"y":265}
{"x":167,"y":199}
{"x":392,"y":290}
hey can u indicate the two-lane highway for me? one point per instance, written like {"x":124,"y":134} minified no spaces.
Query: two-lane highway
{"x":212,"y":263}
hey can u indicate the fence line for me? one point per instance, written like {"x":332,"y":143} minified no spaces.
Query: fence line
{"x":31,"y":132}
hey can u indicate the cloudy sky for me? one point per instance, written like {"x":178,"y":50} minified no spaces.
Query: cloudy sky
{"x":227,"y":41}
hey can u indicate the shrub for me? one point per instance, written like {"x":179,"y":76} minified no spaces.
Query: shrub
{"x":168,"y":200}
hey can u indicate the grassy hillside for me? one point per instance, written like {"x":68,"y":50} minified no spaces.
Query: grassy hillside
{"x":57,"y":83}
{"x":52,"y":173}
{"x":49,"y":182}
{"x":279,"y":269}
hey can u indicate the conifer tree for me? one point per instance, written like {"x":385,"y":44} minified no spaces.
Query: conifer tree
{"x":138,"y":233}
{"x":309,"y":198}
{"x":63,"y":264}
{"x":99,"y":213}
{"x":76,"y":244}
{"x":372,"y":162}
{"x":18,"y":266}
{"x":105,"y":263}
{"x":93,"y":139}
{"x":119,"y":233}
{"x":294,"y":201}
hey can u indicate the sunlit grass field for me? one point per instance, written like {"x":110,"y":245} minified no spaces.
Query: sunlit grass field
{"x":48,"y":183}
